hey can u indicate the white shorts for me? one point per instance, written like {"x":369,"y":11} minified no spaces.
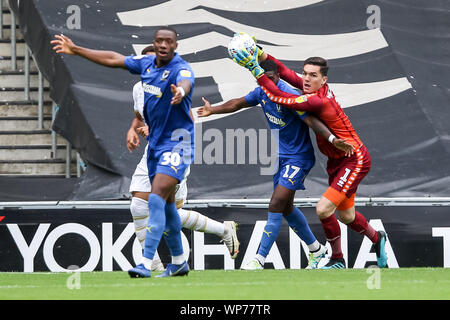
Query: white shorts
{"x":140,"y":181}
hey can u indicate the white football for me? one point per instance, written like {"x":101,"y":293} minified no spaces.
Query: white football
{"x":241,"y":41}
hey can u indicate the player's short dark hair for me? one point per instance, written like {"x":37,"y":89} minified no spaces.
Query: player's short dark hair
{"x":168,"y":29}
{"x":149,"y":48}
{"x":269,"y":65}
{"x":318,"y":61}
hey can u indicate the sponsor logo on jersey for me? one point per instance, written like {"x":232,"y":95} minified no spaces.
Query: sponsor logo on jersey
{"x":275,"y":120}
{"x":151,"y":89}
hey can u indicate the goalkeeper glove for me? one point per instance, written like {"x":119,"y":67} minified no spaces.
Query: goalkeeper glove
{"x":250,"y":62}
{"x":259,"y":49}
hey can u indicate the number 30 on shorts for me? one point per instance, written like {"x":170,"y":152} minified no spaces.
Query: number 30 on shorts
{"x":171,"y":158}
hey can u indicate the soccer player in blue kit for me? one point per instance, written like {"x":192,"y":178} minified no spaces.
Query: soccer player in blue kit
{"x":168,"y":83}
{"x":296,"y":158}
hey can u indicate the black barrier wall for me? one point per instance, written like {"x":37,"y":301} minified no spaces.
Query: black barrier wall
{"x":103,"y":239}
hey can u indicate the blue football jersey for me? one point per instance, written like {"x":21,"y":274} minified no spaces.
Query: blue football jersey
{"x":169,"y":124}
{"x":294,"y":140}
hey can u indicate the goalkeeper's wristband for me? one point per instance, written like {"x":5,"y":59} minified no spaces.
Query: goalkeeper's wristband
{"x":257,"y":72}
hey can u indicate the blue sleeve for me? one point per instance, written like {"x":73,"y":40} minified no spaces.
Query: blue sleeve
{"x":252,"y":98}
{"x":302,"y":114}
{"x":134,"y":63}
{"x":186,"y":73}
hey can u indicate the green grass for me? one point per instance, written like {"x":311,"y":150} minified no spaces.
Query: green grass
{"x":269,"y":284}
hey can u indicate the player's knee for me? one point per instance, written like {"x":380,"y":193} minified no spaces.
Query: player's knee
{"x":164,"y":186}
{"x":138,"y":208}
{"x":277,"y":205}
{"x":288,"y":209}
{"x":323,"y":211}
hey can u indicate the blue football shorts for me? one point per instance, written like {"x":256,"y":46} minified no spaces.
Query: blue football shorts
{"x":171,"y":162}
{"x":292,"y":173}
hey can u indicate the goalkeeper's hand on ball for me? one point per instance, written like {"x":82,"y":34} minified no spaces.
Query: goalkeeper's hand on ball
{"x":250,"y":62}
{"x":259,"y":49}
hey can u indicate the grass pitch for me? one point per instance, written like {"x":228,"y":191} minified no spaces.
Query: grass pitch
{"x":269,"y":284}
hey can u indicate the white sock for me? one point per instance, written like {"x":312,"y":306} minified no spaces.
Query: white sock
{"x":194,"y":220}
{"x":147,"y":263}
{"x":314,"y":246}
{"x":261,"y":259}
{"x":156,"y":256}
{"x":178,"y":259}
{"x":139,"y":211}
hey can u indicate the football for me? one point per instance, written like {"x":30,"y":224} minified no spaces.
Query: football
{"x":240,"y":41}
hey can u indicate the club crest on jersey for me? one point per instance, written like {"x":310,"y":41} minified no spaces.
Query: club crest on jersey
{"x":279,"y":108}
{"x":165,"y":75}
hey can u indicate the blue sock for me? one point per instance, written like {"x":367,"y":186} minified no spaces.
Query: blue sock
{"x":297,"y":221}
{"x":270,"y":233}
{"x":155,"y":225}
{"x":172,"y":232}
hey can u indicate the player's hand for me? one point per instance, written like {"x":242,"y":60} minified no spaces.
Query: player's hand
{"x":177,"y":96}
{"x":259,"y":49}
{"x":205,"y":110}
{"x":344,"y":146}
{"x":250,"y":62}
{"x":132,"y":140}
{"x":63,"y":44}
{"x":143,"y":131}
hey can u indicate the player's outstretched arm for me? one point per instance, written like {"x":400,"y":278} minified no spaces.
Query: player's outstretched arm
{"x":63,"y":44}
{"x":226,"y":107}
{"x":321,"y":129}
